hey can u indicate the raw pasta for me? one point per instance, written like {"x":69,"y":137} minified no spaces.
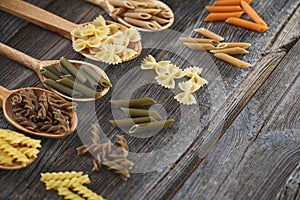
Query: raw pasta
{"x":232,"y":60}
{"x":19,"y":139}
{"x":12,"y":152}
{"x":246,"y":24}
{"x":60,"y":175}
{"x":92,"y":38}
{"x":114,"y":158}
{"x":222,"y":9}
{"x":87,"y":193}
{"x":68,"y":194}
{"x":68,"y":183}
{"x":186,"y":97}
{"x":209,"y":34}
{"x":231,"y":51}
{"x":252,"y":14}
{"x":222,"y":16}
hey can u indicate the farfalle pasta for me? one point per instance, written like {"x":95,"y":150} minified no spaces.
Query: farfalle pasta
{"x":103,"y":41}
{"x":167,"y":72}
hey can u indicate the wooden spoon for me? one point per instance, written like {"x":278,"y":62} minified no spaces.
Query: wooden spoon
{"x":55,"y":23}
{"x":6,"y":95}
{"x":36,"y":66}
{"x":109,"y":9}
{"x":16,"y":166}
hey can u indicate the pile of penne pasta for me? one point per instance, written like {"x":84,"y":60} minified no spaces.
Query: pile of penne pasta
{"x":221,"y":50}
{"x":230,"y":11}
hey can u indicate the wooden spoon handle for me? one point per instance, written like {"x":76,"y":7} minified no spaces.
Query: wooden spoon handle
{"x":4,"y":94}
{"x":20,"y":57}
{"x":38,"y":16}
{"x":103,"y":4}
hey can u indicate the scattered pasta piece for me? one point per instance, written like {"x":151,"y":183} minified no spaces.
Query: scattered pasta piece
{"x":69,"y":185}
{"x":209,"y":34}
{"x":115,"y":158}
{"x":16,"y":148}
{"x":92,"y":37}
{"x":186,"y":97}
{"x":232,"y":60}
{"x":246,"y":24}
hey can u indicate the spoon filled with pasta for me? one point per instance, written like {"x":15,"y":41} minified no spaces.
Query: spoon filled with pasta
{"x":38,"y":112}
{"x":150,"y":16}
{"x":100,"y":40}
{"x":71,"y":79}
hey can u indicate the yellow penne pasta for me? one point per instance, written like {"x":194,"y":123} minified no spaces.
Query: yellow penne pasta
{"x":209,"y":34}
{"x":198,"y":40}
{"x":222,"y":16}
{"x":223,"y":9}
{"x":231,"y":51}
{"x":138,"y":15}
{"x":124,"y":4}
{"x":243,"y":45}
{"x":246,"y":24}
{"x":232,"y":60}
{"x":200,"y":46}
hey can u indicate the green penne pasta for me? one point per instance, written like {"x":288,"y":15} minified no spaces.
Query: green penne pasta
{"x":133,"y":102}
{"x":53,"y":69}
{"x":73,"y":70}
{"x":63,"y":89}
{"x":125,"y":123}
{"x":78,"y":87}
{"x":69,"y":76}
{"x":142,"y":113}
{"x":96,"y":76}
{"x":63,"y":70}
{"x":151,"y":127}
{"x":48,"y":74}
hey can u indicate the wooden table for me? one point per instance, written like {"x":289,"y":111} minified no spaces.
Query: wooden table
{"x":241,"y":141}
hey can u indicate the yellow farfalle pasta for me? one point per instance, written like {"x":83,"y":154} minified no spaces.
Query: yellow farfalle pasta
{"x":149,"y":62}
{"x":194,"y":74}
{"x":167,"y":80}
{"x":93,"y":36}
{"x":13,"y":153}
{"x":186,"y":97}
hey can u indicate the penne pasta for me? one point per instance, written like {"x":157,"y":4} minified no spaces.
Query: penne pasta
{"x":160,"y":20}
{"x":48,"y":74}
{"x":53,"y":69}
{"x":198,"y":40}
{"x":230,"y":2}
{"x":223,"y":9}
{"x":200,"y":46}
{"x":209,"y":34}
{"x":222,"y":16}
{"x":139,"y":4}
{"x":73,"y":70}
{"x":152,"y":126}
{"x":243,"y":45}
{"x":96,"y":77}
{"x":124,"y":4}
{"x":232,"y":60}
{"x":138,"y":15}
{"x":118,"y":11}
{"x":246,"y":24}
{"x":126,"y":123}
{"x":141,"y":23}
{"x":151,"y":11}
{"x":63,"y":89}
{"x":252,"y":13}
{"x":231,"y":51}
{"x":133,"y":102}
{"x":141,"y":113}
{"x":155,"y":23}
{"x":165,"y":14}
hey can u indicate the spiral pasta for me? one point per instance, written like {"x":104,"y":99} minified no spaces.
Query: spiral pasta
{"x":13,"y":152}
{"x":42,"y":113}
{"x":69,"y":185}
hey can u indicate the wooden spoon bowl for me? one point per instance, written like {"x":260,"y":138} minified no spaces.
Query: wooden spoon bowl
{"x":16,"y":166}
{"x":36,"y":66}
{"x":5,"y":97}
{"x":109,"y":8}
{"x":54,"y":23}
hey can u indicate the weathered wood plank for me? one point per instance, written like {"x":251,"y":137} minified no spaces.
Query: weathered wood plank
{"x":258,"y":153}
{"x":59,"y":155}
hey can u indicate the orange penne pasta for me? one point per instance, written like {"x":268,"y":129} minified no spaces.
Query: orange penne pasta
{"x":246,"y":24}
{"x":230,"y":2}
{"x":223,"y":9}
{"x":222,"y":16}
{"x":252,"y":13}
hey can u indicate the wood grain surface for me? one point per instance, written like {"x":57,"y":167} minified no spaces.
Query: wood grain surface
{"x":241,"y":141}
